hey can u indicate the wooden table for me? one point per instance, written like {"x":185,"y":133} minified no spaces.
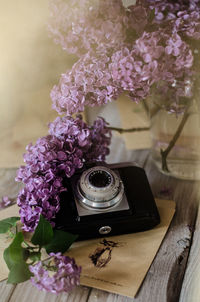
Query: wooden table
{"x":175,"y":272}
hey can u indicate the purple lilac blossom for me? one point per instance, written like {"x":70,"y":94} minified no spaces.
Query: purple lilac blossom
{"x":132,"y":74}
{"x":172,"y":54}
{"x":80,"y":26}
{"x":65,"y":277}
{"x":185,"y":15}
{"x":188,"y":23}
{"x":89,"y":82}
{"x":54,"y":158}
{"x":154,"y":58}
{"x":5,"y":202}
{"x":107,"y":67}
{"x":168,"y":9}
{"x":173,"y":76}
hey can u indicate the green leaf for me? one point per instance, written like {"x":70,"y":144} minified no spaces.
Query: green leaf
{"x":19,"y":273}
{"x":8,"y":223}
{"x":43,"y":233}
{"x":26,"y":254}
{"x":15,"y":252}
{"x":61,"y":242}
{"x":35,"y":256}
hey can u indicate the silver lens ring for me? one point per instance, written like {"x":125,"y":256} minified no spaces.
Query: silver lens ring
{"x":99,"y":188}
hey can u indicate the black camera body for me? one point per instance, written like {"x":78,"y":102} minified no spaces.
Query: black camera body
{"x":107,"y":200}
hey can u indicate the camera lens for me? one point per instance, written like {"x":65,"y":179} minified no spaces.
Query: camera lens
{"x":99,"y":188}
{"x":100,"y":179}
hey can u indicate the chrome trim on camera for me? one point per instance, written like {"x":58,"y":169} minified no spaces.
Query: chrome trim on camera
{"x":100,"y":197}
{"x":92,"y":200}
{"x":95,"y":194}
{"x":104,"y":230}
{"x":103,"y":203}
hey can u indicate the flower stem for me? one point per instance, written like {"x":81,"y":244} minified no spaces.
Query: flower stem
{"x":145,"y":106}
{"x":121,"y":130}
{"x":164,"y":153}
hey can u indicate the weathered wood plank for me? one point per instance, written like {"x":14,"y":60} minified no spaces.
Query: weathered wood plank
{"x":102,"y":296}
{"x":27,"y":292}
{"x":191,"y":284}
{"x":164,"y":279}
{"x":6,"y":291}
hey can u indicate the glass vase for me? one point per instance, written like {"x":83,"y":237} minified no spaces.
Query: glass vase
{"x":178,"y":137}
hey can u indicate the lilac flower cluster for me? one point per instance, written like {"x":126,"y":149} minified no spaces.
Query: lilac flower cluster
{"x":95,"y":80}
{"x":132,"y":73}
{"x":168,"y":9}
{"x":154,"y":58}
{"x":80,"y":26}
{"x":173,"y":55}
{"x":65,"y":277}
{"x":52,"y":159}
{"x":188,"y":23}
{"x":153,"y":51}
{"x":184,"y":15}
{"x":174,"y":61}
{"x":89,"y":82}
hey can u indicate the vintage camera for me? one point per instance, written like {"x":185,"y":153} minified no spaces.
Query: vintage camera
{"x":107,"y":200}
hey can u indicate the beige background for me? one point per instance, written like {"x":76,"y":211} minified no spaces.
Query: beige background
{"x":30,"y":64}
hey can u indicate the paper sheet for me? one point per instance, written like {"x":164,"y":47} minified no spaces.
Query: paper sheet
{"x":127,"y":261}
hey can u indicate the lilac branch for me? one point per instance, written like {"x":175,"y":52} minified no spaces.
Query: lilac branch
{"x":121,"y":130}
{"x":164,"y":153}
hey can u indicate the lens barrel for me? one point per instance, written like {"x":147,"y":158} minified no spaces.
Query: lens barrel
{"x":99,"y":188}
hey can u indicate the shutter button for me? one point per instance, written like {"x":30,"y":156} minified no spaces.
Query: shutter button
{"x":105,"y":230}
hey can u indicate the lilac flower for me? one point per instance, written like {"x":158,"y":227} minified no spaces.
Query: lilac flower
{"x":80,"y":26}
{"x":109,"y":64}
{"x":185,"y":15}
{"x":188,"y":23}
{"x":65,"y":277}
{"x":101,"y":137}
{"x":168,"y":9}
{"x":173,"y":56}
{"x":156,"y":58}
{"x":5,"y":202}
{"x":88,"y":83}
{"x":53,"y":159}
{"x":167,"y":50}
{"x":132,"y":74}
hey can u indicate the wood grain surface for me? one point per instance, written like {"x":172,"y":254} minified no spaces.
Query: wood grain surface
{"x":191,"y":283}
{"x":176,"y":259}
